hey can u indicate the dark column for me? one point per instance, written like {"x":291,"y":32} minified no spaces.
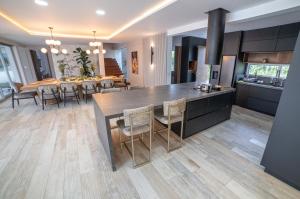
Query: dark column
{"x":215,"y":35}
{"x":282,"y":155}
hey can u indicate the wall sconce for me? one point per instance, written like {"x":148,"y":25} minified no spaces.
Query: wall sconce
{"x":152,"y":53}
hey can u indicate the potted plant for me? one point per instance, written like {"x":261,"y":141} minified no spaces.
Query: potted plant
{"x":62,"y":66}
{"x":82,"y":58}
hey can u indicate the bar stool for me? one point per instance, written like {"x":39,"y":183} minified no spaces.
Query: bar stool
{"x":106,"y":83}
{"x":173,"y":112}
{"x":136,"y":122}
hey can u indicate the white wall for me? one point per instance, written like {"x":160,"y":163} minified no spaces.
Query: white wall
{"x":149,"y":74}
{"x":157,"y":71}
{"x":135,"y":79}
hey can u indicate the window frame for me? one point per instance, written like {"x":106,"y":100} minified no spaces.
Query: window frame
{"x":278,"y":72}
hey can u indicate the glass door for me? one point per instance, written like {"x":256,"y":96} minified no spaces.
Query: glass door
{"x":8,"y":71}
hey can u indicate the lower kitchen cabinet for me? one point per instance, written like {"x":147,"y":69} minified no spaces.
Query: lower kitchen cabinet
{"x":257,"y":98}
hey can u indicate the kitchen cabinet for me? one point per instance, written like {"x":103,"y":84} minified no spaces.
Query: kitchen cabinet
{"x":231,"y":44}
{"x":204,"y":113}
{"x":273,"y":39}
{"x":257,"y":98}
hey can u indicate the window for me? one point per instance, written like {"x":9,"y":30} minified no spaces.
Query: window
{"x":268,"y":70}
{"x":8,"y":70}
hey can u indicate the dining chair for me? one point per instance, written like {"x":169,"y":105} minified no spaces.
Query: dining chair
{"x":135,"y":124}
{"x":173,"y":112}
{"x":89,"y":87}
{"x":69,"y":90}
{"x":123,"y":83}
{"x":106,"y":83}
{"x":17,"y":94}
{"x":48,"y":92}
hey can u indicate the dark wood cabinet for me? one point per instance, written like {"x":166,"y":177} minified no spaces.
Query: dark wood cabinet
{"x":286,"y":44}
{"x":273,"y":39}
{"x":258,"y":98}
{"x":259,"y":46}
{"x":204,"y":113}
{"x":261,"y":34}
{"x":231,"y":44}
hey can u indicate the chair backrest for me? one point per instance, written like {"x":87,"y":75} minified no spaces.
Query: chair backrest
{"x":174,"y":107}
{"x":47,"y":88}
{"x":68,"y":86}
{"x":110,"y":90}
{"x":89,"y":84}
{"x":138,"y":116}
{"x":16,"y":86}
{"x":107,"y":83}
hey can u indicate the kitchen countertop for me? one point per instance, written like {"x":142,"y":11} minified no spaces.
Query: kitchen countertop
{"x":260,"y":85}
{"x":113,"y":104}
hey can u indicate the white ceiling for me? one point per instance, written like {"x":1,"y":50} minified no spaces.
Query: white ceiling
{"x":77,"y":17}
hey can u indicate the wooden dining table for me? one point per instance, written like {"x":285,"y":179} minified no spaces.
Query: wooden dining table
{"x":34,"y":85}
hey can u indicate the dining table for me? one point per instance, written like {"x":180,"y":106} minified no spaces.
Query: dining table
{"x":34,"y":85}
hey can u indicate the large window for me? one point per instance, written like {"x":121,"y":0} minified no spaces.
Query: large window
{"x":8,"y":70}
{"x":268,"y":70}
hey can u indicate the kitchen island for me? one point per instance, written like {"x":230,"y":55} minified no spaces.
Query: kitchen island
{"x":203,"y":109}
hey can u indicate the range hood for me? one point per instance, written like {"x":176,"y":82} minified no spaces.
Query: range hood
{"x":215,"y":36}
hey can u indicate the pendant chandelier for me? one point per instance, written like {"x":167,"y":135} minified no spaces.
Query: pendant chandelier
{"x":53,"y":44}
{"x":95,"y":45}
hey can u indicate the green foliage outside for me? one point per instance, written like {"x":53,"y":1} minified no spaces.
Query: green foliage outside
{"x":268,"y":70}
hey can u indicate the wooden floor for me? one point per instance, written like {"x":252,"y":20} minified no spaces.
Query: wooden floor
{"x":56,"y":154}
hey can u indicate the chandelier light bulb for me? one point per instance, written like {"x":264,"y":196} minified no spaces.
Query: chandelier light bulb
{"x":96,"y":51}
{"x":103,"y":51}
{"x":88,"y":52}
{"x":54,"y":50}
{"x":44,"y":50}
{"x":64,"y":51}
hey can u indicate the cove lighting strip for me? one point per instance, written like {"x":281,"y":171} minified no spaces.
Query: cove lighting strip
{"x":139,"y":18}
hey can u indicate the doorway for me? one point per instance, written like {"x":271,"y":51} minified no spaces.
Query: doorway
{"x":41,"y":65}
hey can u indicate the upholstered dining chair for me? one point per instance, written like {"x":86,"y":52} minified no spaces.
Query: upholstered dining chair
{"x":123,"y":83}
{"x":106,"y":83}
{"x":48,"y":92}
{"x":173,"y":112}
{"x":89,"y":87}
{"x":69,"y":90}
{"x":18,"y":94}
{"x":136,"y":122}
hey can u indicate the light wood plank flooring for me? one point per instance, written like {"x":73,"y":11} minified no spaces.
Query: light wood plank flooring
{"x":56,"y":153}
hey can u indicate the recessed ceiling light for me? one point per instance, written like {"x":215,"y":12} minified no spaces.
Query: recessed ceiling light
{"x":100,"y":12}
{"x":41,"y":2}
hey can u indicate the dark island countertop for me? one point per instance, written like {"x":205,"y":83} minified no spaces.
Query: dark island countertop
{"x":113,"y":104}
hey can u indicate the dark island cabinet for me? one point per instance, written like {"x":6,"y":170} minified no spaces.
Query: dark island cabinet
{"x":204,"y":113}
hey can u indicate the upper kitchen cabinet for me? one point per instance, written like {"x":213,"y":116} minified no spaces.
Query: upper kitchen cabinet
{"x":287,"y":37}
{"x":273,"y":39}
{"x":260,"y":40}
{"x":231,"y":44}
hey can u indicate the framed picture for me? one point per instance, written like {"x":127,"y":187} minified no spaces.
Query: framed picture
{"x":134,"y":62}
